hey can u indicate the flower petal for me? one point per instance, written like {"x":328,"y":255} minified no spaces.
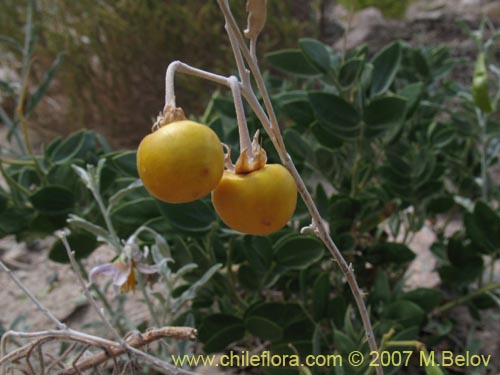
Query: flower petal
{"x":122,"y":273}
{"x":103,"y":269}
{"x":146,"y":268}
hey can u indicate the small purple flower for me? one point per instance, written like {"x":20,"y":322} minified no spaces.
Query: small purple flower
{"x":123,"y":271}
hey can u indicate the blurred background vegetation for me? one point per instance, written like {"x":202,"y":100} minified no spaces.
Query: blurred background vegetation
{"x":116,"y":53}
{"x":390,"y":8}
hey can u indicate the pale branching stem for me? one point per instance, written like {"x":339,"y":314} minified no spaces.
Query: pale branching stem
{"x":231,"y":82}
{"x":86,"y":291}
{"x":38,"y":304}
{"x":178,"y":66}
{"x":251,"y":61}
{"x":253,"y":50}
{"x":240,"y":63}
{"x":113,"y":349}
{"x":245,"y":141}
{"x":272,"y":127}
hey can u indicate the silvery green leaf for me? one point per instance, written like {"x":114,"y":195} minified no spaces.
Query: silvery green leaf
{"x":98,"y":172}
{"x":159,"y":259}
{"x":494,"y":297}
{"x":84,"y":176}
{"x":120,"y":194}
{"x":182,"y":271}
{"x":100,"y":233}
{"x":160,"y":298}
{"x":464,"y":202}
{"x":190,"y":293}
{"x":162,"y":245}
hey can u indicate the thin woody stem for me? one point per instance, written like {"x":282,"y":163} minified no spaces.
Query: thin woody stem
{"x":240,"y":63}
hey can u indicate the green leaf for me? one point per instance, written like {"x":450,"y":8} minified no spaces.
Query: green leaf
{"x":217,"y":331}
{"x":350,"y":72}
{"x":53,"y":200}
{"x":76,"y":146}
{"x":385,"y":66}
{"x":427,"y":299}
{"x":412,"y":94}
{"x":405,"y":313}
{"x":224,"y":106}
{"x":130,"y":215}
{"x":384,"y":114}
{"x":421,"y":64}
{"x":11,"y":42}
{"x":3,"y":201}
{"x":44,"y":86}
{"x":381,"y":288}
{"x":335,"y":115}
{"x":298,"y":251}
{"x":64,"y":175}
{"x":126,"y":162}
{"x":297,"y":146}
{"x":316,"y":53}
{"x":98,"y":232}
{"x":460,"y":253}
{"x":122,"y":193}
{"x":6,"y":87}
{"x":13,"y":220}
{"x":264,"y":328}
{"x":480,"y":85}
{"x":249,"y":278}
{"x":483,"y":228}
{"x":292,"y":61}
{"x":82,"y":243}
{"x":326,"y":136}
{"x":390,"y":252}
{"x":463,"y":275}
{"x":343,"y":343}
{"x":299,"y":111}
{"x":194,"y":217}
{"x":321,"y":296}
{"x":259,"y":253}
{"x":282,"y":314}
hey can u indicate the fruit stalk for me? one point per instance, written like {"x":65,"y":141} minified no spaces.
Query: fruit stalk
{"x":245,"y":143}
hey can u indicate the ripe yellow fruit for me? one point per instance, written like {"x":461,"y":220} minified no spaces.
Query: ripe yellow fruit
{"x":260,"y":202}
{"x":180,"y":162}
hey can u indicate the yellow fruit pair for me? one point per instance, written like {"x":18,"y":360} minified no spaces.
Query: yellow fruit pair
{"x":184,"y":161}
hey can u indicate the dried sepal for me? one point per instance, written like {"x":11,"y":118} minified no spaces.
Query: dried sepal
{"x":170,"y":114}
{"x":228,"y":163}
{"x":251,"y":158}
{"x":257,"y":13}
